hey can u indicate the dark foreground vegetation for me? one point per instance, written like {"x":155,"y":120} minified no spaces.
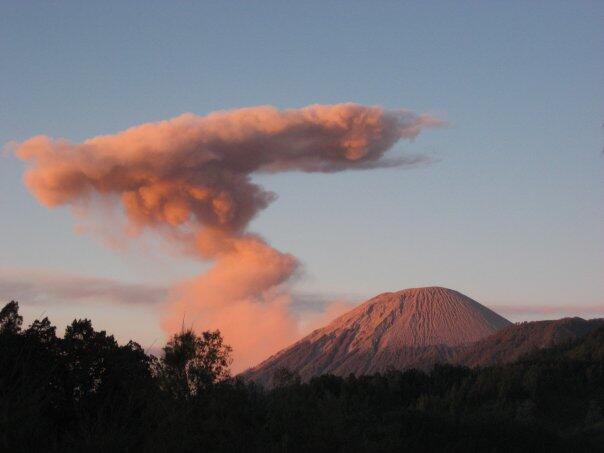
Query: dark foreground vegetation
{"x":84,"y":392}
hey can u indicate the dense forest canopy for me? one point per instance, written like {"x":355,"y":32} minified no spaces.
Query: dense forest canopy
{"x":85,"y":392}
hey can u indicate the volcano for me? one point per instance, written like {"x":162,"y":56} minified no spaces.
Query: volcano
{"x":404,"y":329}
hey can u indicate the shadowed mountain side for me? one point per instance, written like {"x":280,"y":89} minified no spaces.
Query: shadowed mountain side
{"x":505,"y":346}
{"x":309,"y":360}
{"x":517,"y":340}
{"x":411,"y":328}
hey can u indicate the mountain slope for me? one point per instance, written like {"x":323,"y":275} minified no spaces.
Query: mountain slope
{"x":513,"y":342}
{"x":409,"y":328}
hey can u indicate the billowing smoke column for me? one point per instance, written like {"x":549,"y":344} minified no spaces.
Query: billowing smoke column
{"x":189,"y":178}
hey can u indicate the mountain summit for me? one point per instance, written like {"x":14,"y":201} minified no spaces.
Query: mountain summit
{"x":400,"y":329}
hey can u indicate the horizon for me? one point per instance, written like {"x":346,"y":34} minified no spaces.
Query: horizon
{"x":489,"y":182}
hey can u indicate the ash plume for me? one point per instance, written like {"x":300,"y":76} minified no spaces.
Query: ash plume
{"x":190,"y":179}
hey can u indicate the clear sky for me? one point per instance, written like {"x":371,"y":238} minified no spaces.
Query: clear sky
{"x":509,"y":211}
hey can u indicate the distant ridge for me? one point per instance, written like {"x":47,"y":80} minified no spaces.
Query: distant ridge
{"x":408,"y":328}
{"x":512,"y":342}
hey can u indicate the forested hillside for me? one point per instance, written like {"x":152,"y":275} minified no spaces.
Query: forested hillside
{"x":84,"y":392}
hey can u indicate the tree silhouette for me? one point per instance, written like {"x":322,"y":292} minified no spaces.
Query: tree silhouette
{"x":10,"y":320}
{"x":192,"y":363}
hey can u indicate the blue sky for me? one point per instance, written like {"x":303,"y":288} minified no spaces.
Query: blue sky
{"x":509,"y":211}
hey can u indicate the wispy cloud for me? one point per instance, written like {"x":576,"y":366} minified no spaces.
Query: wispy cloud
{"x":566,"y":310}
{"x":34,"y":286}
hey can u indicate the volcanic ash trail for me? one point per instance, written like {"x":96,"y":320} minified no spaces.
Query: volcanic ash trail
{"x":189,"y":178}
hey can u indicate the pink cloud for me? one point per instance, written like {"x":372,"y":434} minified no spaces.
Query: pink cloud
{"x":190,"y":179}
